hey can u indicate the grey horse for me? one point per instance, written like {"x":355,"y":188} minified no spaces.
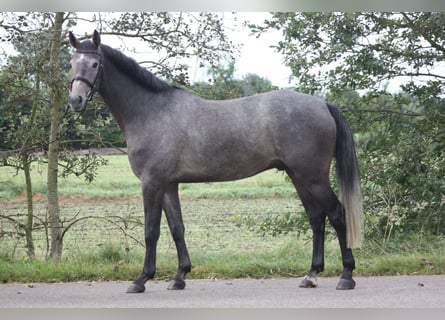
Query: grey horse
{"x":174,"y":136}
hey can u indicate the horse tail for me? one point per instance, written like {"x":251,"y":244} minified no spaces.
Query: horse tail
{"x":348,"y":177}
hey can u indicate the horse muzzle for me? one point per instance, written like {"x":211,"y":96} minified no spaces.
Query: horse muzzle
{"x":77,"y":103}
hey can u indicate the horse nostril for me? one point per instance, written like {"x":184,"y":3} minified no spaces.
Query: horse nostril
{"x":80,"y":100}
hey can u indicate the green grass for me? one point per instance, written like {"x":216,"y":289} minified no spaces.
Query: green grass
{"x":219,"y":245}
{"x":113,"y":179}
{"x":117,"y":179}
{"x":114,"y":263}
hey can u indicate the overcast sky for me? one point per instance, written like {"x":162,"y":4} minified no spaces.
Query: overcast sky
{"x":256,"y":55}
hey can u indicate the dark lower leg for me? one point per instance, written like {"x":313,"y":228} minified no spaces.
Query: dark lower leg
{"x":317,"y":219}
{"x":153,"y":210}
{"x":338,"y":222}
{"x":149,"y":269}
{"x":173,"y":213}
{"x":184,"y":266}
{"x":317,"y":266}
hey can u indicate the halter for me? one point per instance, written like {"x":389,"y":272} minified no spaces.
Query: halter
{"x":92,"y":85}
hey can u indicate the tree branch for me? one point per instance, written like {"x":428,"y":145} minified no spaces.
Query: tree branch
{"x":107,"y":219}
{"x":422,"y":33}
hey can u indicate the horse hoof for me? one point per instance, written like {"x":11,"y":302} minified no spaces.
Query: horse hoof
{"x":176,"y":285}
{"x":346,"y":284}
{"x":309,"y":282}
{"x":135,"y":288}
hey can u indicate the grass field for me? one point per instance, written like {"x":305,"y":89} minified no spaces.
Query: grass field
{"x":105,"y":247}
{"x":116,"y":179}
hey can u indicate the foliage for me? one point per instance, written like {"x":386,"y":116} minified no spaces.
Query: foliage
{"x":358,"y":50}
{"x":403,"y":171}
{"x":26,"y":92}
{"x":223,"y":85}
{"x":21,"y":88}
{"x":350,"y":58}
{"x":175,"y":37}
{"x":276,"y":224}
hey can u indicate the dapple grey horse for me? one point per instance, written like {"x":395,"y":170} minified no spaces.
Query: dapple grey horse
{"x":174,"y":136}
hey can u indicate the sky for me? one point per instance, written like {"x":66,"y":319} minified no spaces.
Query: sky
{"x":256,"y":55}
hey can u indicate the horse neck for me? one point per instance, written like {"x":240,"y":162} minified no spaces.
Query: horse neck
{"x":122,"y":95}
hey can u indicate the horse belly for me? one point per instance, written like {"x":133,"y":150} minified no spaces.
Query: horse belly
{"x":224,"y":164}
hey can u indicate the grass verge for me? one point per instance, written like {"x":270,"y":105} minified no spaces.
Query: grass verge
{"x":112,"y":263}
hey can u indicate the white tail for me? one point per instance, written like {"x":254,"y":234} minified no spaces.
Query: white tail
{"x":348,"y":177}
{"x":352,"y":203}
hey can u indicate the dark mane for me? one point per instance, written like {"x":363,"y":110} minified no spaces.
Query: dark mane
{"x":132,"y":69}
{"x":128,"y":66}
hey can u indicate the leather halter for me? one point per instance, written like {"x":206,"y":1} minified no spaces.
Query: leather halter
{"x":92,"y":85}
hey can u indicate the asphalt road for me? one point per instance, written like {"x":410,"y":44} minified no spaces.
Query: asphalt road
{"x":371,"y":292}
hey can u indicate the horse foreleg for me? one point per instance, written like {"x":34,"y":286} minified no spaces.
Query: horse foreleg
{"x":153,"y":196}
{"x":173,"y":213}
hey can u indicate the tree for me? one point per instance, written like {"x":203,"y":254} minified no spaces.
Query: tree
{"x":23,"y":128}
{"x":224,"y":85}
{"x":57,"y":111}
{"x":401,"y":134}
{"x":28,"y":81}
{"x":358,"y":50}
{"x":254,"y":84}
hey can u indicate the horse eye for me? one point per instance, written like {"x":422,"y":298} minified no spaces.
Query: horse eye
{"x":95,"y":65}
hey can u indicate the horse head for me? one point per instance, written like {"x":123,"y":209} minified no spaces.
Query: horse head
{"x":86,"y":67}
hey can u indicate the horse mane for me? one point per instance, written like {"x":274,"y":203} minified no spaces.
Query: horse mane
{"x":132,"y":69}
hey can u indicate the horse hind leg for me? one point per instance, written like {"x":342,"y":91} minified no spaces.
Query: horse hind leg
{"x":172,"y":208}
{"x":317,"y":220}
{"x":337,"y":220}
{"x":334,"y":210}
{"x":320,"y":201}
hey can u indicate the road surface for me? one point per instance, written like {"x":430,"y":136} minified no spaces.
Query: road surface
{"x":371,"y":292}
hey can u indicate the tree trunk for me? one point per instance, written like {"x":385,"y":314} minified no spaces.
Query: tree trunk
{"x":57,"y":110}
{"x":30,"y":214}
{"x":26,"y":159}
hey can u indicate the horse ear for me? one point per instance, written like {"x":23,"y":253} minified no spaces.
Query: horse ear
{"x":73,"y":40}
{"x":96,"y":38}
